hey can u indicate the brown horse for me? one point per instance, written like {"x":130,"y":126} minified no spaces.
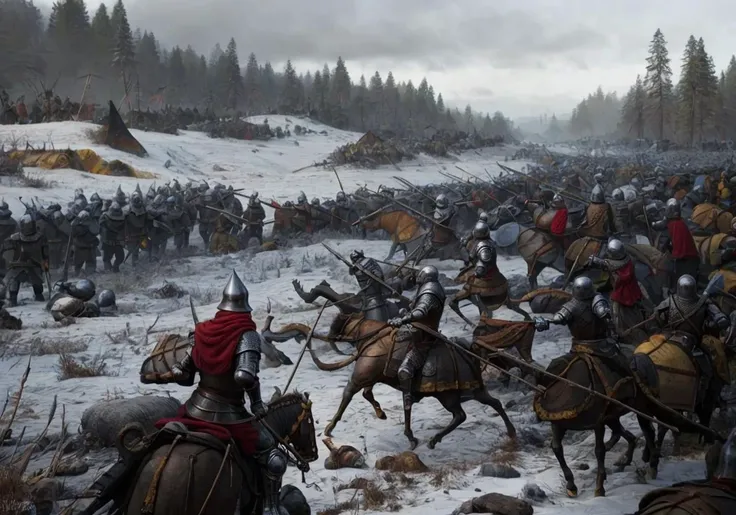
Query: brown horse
{"x":190,"y":473}
{"x":711,"y":218}
{"x":449,"y":375}
{"x":540,"y":250}
{"x":404,"y":229}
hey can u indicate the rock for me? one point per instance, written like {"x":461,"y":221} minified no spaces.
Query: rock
{"x":217,"y":168}
{"x":294,"y":501}
{"x":533,"y":492}
{"x":498,"y":470}
{"x":496,"y":504}
{"x":167,"y":164}
{"x":583,"y":466}
{"x":518,"y":286}
{"x":532,"y":436}
{"x":74,"y":467}
{"x":104,"y":420}
{"x":405,"y":462}
{"x":44,"y":494}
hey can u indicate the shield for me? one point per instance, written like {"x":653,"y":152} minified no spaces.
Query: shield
{"x":715,"y":286}
{"x":507,"y":234}
{"x":170,"y":349}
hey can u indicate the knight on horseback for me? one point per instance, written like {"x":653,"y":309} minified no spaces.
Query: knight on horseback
{"x":599,"y":221}
{"x":680,"y":243}
{"x":227,"y":354}
{"x":426,"y":309}
{"x":686,"y":316}
{"x":441,"y":234}
{"x":371,"y":291}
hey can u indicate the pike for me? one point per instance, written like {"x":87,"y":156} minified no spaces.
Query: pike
{"x":364,"y":270}
{"x":542,"y":183}
{"x":415,"y":188}
{"x":415,"y":211}
{"x":369,"y":215}
{"x":521,"y":362}
{"x":194,"y":312}
{"x":236,"y":217}
{"x":471,"y":174}
{"x":339,"y":182}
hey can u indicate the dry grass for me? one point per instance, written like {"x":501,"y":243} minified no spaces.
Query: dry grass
{"x":71,"y":368}
{"x":41,"y":347}
{"x":400,"y":478}
{"x":507,"y":453}
{"x":97,"y":135}
{"x":13,"y":491}
{"x":36,"y":181}
{"x":339,"y":508}
{"x":376,"y":497}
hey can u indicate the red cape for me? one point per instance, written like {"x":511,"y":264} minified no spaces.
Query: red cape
{"x":559,"y":222}
{"x":683,"y":245}
{"x":215,"y":341}
{"x":626,"y":289}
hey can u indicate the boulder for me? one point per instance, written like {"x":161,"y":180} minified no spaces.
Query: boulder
{"x":294,"y":501}
{"x":103,"y":421}
{"x":405,"y":462}
{"x":533,"y":492}
{"x":499,"y":470}
{"x":496,"y":504}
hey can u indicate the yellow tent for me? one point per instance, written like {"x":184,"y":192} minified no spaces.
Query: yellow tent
{"x":84,"y":160}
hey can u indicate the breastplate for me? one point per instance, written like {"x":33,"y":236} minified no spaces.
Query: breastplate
{"x":218,"y":399}
{"x":587,"y":326}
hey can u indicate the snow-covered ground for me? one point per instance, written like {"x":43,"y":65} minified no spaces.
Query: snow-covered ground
{"x":267,"y":167}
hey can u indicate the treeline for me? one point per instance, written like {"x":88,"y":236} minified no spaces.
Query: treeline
{"x":700,"y":107}
{"x":132,"y":65}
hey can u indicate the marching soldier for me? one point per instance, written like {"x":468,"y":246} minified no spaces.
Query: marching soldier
{"x":84,"y":233}
{"x":178,"y":220}
{"x":27,"y":256}
{"x":136,"y":222}
{"x":255,"y":214}
{"x":343,"y":212}
{"x":207,"y":217}
{"x":112,"y":234}
{"x":8,"y":227}
{"x":599,"y":220}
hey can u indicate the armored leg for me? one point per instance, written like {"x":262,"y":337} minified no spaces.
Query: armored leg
{"x":273,"y":466}
{"x":204,"y":232}
{"x":90,"y":262}
{"x":107,"y":254}
{"x":79,"y":258}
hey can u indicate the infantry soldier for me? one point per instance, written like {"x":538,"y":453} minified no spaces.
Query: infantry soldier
{"x":255,"y":214}
{"x":84,"y":233}
{"x":95,"y":206}
{"x":207,"y":217}
{"x":599,"y":219}
{"x":426,"y":308}
{"x":621,"y":211}
{"x":178,"y":220}
{"x":27,"y":256}
{"x":680,"y":243}
{"x":158,"y":231}
{"x":120,"y":198}
{"x":343,"y":213}
{"x":136,"y":221}
{"x":112,"y":234}
{"x":302,"y":218}
{"x":57,"y":229}
{"x":372,"y":292}
{"x":227,"y":353}
{"x":8,"y":227}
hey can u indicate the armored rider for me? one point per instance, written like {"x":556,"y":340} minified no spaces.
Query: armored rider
{"x":679,"y":242}
{"x":686,"y":316}
{"x":599,"y":220}
{"x":372,"y":292}
{"x":426,"y":308}
{"x":440,"y":234}
{"x":227,"y":354}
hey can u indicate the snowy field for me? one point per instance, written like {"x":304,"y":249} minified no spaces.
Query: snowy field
{"x":267,"y":167}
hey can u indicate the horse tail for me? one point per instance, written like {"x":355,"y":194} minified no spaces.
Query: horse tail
{"x":331,"y":367}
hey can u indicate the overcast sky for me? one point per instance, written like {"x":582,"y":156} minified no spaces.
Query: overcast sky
{"x":522,"y":57}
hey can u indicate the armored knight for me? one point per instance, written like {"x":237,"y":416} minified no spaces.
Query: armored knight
{"x":8,"y":227}
{"x":207,"y":217}
{"x":255,"y":214}
{"x":685,"y":316}
{"x":426,"y":308}
{"x":158,"y":230}
{"x":112,"y":234}
{"x":588,"y":317}
{"x":628,"y":309}
{"x":27,"y":256}
{"x":372,"y":292}
{"x":136,"y":222}
{"x":343,"y":213}
{"x":224,"y":378}
{"x":302,"y":218}
{"x":679,"y":242}
{"x":440,"y":233}
{"x":84,"y":233}
{"x":621,"y":211}
{"x":599,"y":219}
{"x":321,"y":218}
{"x":178,"y":220}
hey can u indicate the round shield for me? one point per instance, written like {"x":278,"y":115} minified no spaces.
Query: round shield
{"x":507,"y":234}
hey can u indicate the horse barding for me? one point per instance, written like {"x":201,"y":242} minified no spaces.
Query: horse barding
{"x":190,"y":466}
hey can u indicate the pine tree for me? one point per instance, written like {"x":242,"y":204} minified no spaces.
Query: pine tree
{"x":633,"y":111}
{"x":101,"y":30}
{"x":177,"y":77}
{"x":292,"y":95}
{"x":69,"y":32}
{"x":728,"y":94}
{"x":392,"y":101}
{"x":124,"y":53}
{"x":252,"y":86}
{"x":340,"y":88}
{"x":269,"y":88}
{"x":359,"y":103}
{"x":658,"y":83}
{"x":707,"y":90}
{"x":375,"y":101}
{"x":234,"y":81}
{"x":469,"y":119}
{"x":687,"y":89}
{"x":440,"y":104}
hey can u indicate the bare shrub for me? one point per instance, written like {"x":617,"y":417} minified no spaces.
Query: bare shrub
{"x":14,"y":492}
{"x":71,"y":368}
{"x":36,"y":181}
{"x":507,"y":453}
{"x":41,"y":347}
{"x":97,"y":135}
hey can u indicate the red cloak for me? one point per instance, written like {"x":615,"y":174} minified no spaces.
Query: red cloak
{"x":683,"y":245}
{"x":215,"y":341}
{"x":626,"y":289}
{"x":559,"y":222}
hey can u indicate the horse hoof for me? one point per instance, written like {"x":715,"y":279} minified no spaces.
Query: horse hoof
{"x":511,"y":432}
{"x":413,"y":442}
{"x":381,"y":414}
{"x":432,"y":443}
{"x":652,"y":473}
{"x":600,"y":492}
{"x":572,"y":492}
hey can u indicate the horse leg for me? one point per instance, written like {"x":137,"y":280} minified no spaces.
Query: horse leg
{"x":558,"y":434}
{"x":455,"y":306}
{"x":600,"y":456}
{"x":392,"y":250}
{"x":347,"y":395}
{"x":661,"y":433}
{"x":619,"y":431}
{"x":651,"y":451}
{"x":533,"y":274}
{"x":450,"y":400}
{"x":481,"y":395}
{"x":477,"y":301}
{"x":517,"y":309}
{"x":368,"y":395}
{"x":413,"y":442}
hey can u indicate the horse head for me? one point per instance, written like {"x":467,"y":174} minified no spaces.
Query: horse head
{"x":290,"y":416}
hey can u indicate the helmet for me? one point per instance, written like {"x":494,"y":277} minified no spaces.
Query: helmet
{"x":481,"y":231}
{"x":733,"y":224}
{"x":80,"y":204}
{"x":618,"y":195}
{"x":83,"y":215}
{"x":302,"y":198}
{"x":340,"y":197}
{"x":615,"y":249}
{"x":726,"y":468}
{"x":106,"y":299}
{"x":315,"y":202}
{"x":253,"y":199}
{"x":427,"y":274}
{"x":171,"y":202}
{"x":356,"y":255}
{"x":84,"y":289}
{"x":115,"y":212}
{"x":234,"y":296}
{"x":95,"y":198}
{"x":158,"y":200}
{"x":442,"y":201}
{"x":558,"y":201}
{"x":582,"y":288}
{"x":599,"y":177}
{"x":119,"y":195}
{"x":672,"y":208}
{"x":4,"y":209}
{"x":27,"y":225}
{"x":658,"y":170}
{"x":636,"y":183}
{"x":597,"y":196}
{"x":687,"y":287}
{"x":176,"y":186}
{"x":136,"y":200}
{"x":483,"y":217}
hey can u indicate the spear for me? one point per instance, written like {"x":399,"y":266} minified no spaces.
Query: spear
{"x":542,"y":183}
{"x":243,"y":220}
{"x":410,"y":185}
{"x":338,"y":179}
{"x":417,"y":212}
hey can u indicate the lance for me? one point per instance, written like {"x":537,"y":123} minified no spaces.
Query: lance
{"x":236,"y":217}
{"x":338,"y":179}
{"x":194,"y":312}
{"x":417,"y":212}
{"x":471,"y":174}
{"x":403,"y":265}
{"x":415,"y":188}
{"x":363,"y":269}
{"x":542,"y":183}
{"x":369,"y":215}
{"x":500,"y":352}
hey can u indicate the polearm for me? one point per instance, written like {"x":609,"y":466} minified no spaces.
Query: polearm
{"x":417,"y":212}
{"x":542,"y":183}
{"x":363,"y":269}
{"x":338,"y":180}
{"x":369,"y":215}
{"x":447,"y":341}
{"x":236,"y":217}
{"x":415,"y":188}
